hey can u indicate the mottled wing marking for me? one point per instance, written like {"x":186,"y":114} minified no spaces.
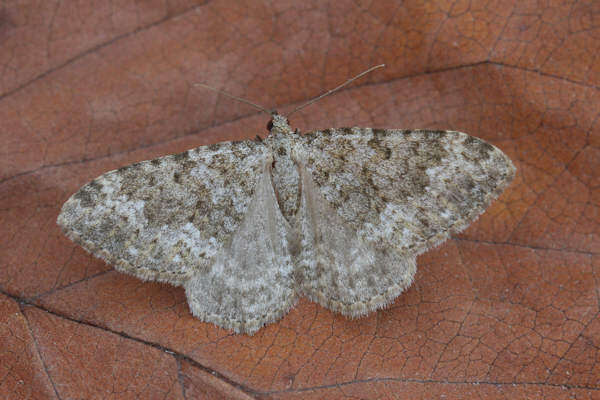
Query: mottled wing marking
{"x":406,"y":190}
{"x":362,"y":204}
{"x":339,"y":270}
{"x":250,"y":283}
{"x":165,"y":218}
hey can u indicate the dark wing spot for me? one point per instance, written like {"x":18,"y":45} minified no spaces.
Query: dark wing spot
{"x":351,"y":282}
{"x":481,"y":149}
{"x":88,"y":193}
{"x":373,"y":143}
{"x":437,"y":133}
{"x":371,"y":282}
{"x":85,"y":197}
{"x":189,"y":165}
{"x":380,"y":148}
{"x":95,"y":185}
{"x":127,"y":168}
{"x":181,"y":156}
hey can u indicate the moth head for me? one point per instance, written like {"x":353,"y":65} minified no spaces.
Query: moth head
{"x":278,"y":123}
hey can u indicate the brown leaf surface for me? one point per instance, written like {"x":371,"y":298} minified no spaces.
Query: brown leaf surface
{"x":508,"y":309}
{"x":22,"y":370}
{"x":85,"y":362}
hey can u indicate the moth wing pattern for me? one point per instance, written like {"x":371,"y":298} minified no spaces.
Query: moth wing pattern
{"x":339,"y":270}
{"x":167,"y":218}
{"x":209,"y":219}
{"x":404,"y":190}
{"x":250,"y":283}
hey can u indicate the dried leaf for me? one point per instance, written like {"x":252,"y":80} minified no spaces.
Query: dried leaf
{"x":511,"y":304}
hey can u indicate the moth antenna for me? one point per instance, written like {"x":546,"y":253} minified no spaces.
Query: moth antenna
{"x":261,"y":108}
{"x":300,"y":107}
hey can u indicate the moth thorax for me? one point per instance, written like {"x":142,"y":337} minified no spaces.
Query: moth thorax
{"x":279,"y":123}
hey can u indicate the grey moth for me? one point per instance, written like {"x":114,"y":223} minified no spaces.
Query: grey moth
{"x":336,"y":215}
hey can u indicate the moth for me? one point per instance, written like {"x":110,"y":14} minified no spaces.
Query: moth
{"x":247,"y":227}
